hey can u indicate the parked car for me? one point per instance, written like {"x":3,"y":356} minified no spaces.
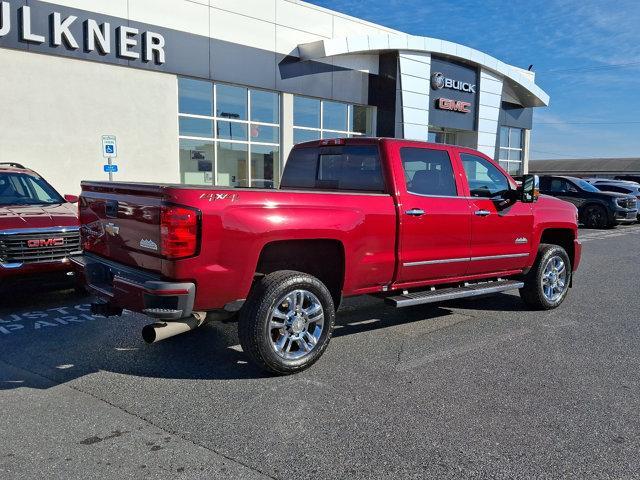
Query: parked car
{"x":624,"y":187}
{"x":409,"y":221}
{"x":630,"y":178}
{"x":596,"y":209}
{"x":39,"y":231}
{"x":610,"y":181}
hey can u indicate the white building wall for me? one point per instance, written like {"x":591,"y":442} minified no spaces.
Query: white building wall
{"x":415,"y":75}
{"x":55,"y":110}
{"x":490,"y":97}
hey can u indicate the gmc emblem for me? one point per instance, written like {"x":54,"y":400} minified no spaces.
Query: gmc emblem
{"x":46,"y":242}
{"x":453,"y":105}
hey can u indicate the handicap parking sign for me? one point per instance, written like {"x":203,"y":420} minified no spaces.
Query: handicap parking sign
{"x":109,"y":146}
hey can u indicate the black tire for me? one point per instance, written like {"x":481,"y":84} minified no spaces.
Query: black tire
{"x":533,"y":292}
{"x":595,"y":216}
{"x":253,"y":326}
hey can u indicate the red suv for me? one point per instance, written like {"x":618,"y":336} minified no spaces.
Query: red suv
{"x":39,"y":230}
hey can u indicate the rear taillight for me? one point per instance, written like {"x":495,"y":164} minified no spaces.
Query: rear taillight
{"x":178,"y":231}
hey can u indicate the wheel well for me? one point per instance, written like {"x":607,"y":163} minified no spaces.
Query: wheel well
{"x":324,"y":259}
{"x":561,"y":237}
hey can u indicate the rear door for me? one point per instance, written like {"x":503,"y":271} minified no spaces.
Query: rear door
{"x":501,"y":230}
{"x":435,"y":224}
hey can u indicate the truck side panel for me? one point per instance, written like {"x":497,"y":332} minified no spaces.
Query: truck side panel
{"x":235,"y":231}
{"x":236,"y":226}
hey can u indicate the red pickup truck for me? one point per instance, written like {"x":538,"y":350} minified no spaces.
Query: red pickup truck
{"x":412,"y":222}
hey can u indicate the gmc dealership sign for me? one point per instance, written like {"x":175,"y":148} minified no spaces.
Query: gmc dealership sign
{"x":453,"y":105}
{"x":96,"y":37}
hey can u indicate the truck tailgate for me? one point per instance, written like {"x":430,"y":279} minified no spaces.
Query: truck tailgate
{"x":121,"y":222}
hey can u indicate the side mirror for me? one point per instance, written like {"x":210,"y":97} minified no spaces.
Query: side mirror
{"x":72,"y":198}
{"x":530,"y":190}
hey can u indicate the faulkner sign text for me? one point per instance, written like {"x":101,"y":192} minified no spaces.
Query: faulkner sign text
{"x":96,"y":36}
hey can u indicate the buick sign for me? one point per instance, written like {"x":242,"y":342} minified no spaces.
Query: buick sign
{"x":439,"y":81}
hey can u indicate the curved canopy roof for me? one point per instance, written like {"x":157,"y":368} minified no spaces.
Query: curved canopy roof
{"x":521,"y":81}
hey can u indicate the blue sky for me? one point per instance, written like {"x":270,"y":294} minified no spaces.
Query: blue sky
{"x":586,"y":54}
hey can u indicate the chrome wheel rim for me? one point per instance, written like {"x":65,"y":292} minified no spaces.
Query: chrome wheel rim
{"x":554,"y":278}
{"x":296,"y":323}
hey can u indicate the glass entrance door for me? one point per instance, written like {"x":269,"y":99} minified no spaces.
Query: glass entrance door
{"x":440,"y":135}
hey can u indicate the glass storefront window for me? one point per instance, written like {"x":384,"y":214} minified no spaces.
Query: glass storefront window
{"x":231,"y":102}
{"x":515,"y":138}
{"x":334,"y":116}
{"x":439,"y":135}
{"x":196,"y":162}
{"x":504,"y":137}
{"x":361,"y":119}
{"x":236,"y":144}
{"x":265,"y":106}
{"x":232,"y":164}
{"x":232,"y":131}
{"x":265,"y":134}
{"x":301,"y":136}
{"x":264,"y":166}
{"x":306,"y":112}
{"x":314,"y":119}
{"x":511,"y":149}
{"x":195,"y":97}
{"x":196,"y":127}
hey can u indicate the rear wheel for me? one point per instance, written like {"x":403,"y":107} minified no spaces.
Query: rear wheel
{"x":547,"y":284}
{"x":595,"y":216}
{"x":286,"y":324}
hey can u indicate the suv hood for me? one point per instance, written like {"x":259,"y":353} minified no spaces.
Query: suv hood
{"x":38,"y":216}
{"x":614,"y":195}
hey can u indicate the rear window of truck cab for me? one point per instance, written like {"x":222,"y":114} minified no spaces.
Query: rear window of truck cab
{"x":355,"y":168}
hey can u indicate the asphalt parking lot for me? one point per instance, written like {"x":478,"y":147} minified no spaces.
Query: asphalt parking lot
{"x":468,"y":389}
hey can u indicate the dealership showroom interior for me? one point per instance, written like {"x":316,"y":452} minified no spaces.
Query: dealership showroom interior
{"x":446,"y":189}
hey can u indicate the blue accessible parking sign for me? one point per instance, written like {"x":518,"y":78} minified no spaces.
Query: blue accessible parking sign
{"x":109,"y":146}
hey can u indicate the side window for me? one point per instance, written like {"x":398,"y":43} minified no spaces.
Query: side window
{"x":560,"y":185}
{"x":571,"y":187}
{"x":355,"y":167}
{"x":350,"y":168}
{"x":485,"y":180}
{"x":545,"y":184}
{"x":428,"y":172}
{"x":557,"y":185}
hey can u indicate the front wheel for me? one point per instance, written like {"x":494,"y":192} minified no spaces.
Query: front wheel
{"x":595,"y":216}
{"x":547,"y":284}
{"x":286,"y":324}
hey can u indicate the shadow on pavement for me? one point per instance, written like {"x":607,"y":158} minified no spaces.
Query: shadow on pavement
{"x":53,"y":342}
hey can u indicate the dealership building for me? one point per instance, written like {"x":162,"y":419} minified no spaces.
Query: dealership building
{"x":216,"y":92}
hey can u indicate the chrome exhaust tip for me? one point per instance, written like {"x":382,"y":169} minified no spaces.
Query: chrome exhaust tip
{"x":158,"y":331}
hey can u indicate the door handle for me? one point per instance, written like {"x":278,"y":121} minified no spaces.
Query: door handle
{"x":482,"y":213}
{"x":415,"y":212}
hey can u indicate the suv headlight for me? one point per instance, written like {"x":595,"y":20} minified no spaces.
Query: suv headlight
{"x":628,"y":203}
